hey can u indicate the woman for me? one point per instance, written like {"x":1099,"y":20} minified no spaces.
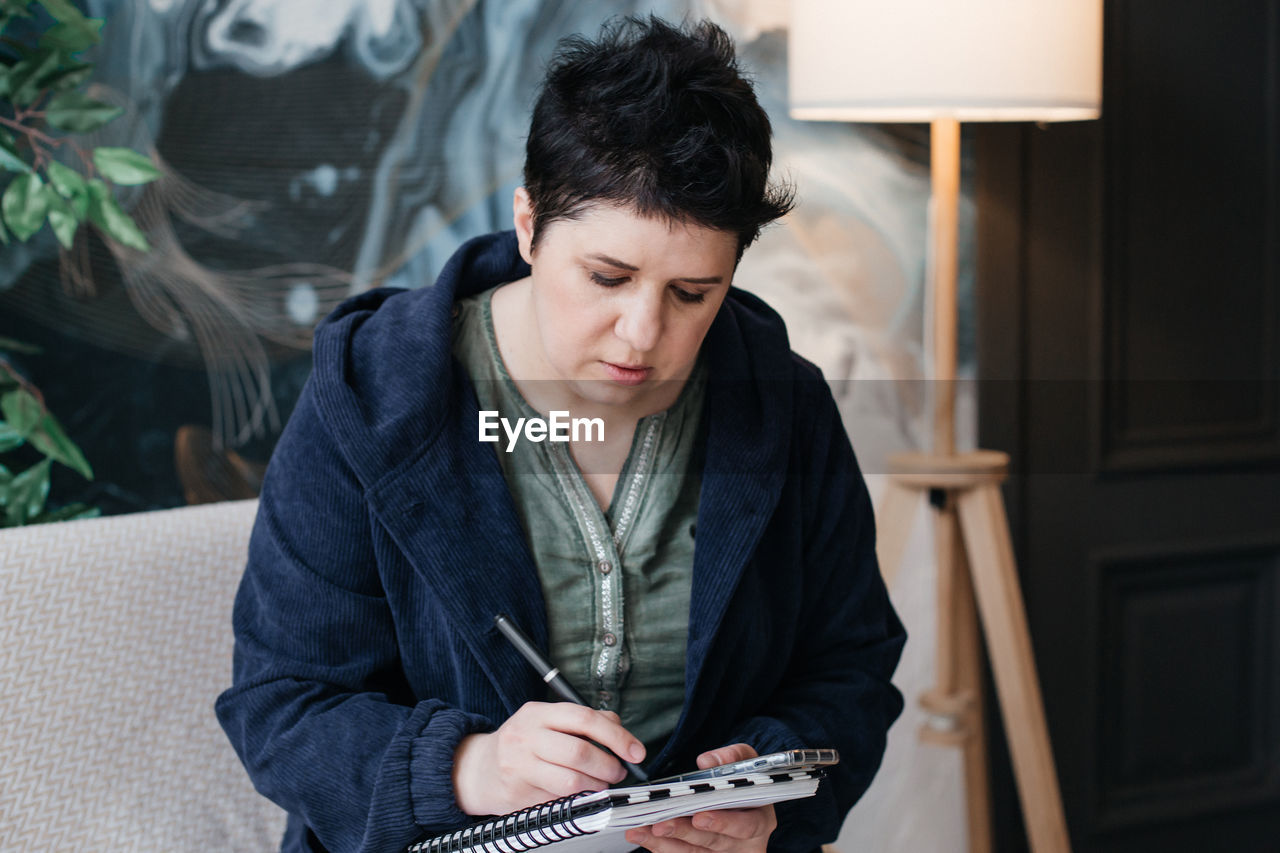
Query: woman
{"x":373,"y":698}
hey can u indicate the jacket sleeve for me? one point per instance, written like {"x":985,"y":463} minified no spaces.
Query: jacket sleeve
{"x":837,"y":691}
{"x":319,"y":711}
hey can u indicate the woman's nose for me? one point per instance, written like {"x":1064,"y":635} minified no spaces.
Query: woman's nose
{"x":640,"y":322}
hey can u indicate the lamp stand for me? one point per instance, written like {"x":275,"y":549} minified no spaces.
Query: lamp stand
{"x":977,"y":576}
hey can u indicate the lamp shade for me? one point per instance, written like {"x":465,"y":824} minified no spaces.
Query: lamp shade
{"x":969,"y":60}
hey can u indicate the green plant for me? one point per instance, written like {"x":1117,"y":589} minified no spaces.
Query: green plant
{"x":24,"y":420}
{"x":42,"y":109}
{"x":54,"y":179}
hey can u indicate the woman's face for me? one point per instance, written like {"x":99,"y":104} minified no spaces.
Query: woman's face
{"x":622,"y":302}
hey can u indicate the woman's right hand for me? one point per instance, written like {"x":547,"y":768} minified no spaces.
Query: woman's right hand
{"x":540,"y":753}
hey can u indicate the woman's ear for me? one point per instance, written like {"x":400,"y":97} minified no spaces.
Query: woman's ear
{"x":522,"y":215}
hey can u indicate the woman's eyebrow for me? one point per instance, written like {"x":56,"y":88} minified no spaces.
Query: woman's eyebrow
{"x":614,"y":262}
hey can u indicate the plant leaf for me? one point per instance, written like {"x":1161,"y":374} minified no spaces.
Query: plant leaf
{"x":21,"y":410}
{"x":27,"y":494}
{"x":62,"y":219}
{"x":12,"y":73}
{"x":18,"y":346}
{"x":72,"y":186}
{"x":78,"y":113}
{"x":73,"y":38}
{"x":66,"y":180}
{"x":80,"y":205}
{"x":63,"y":10}
{"x":6,"y":477}
{"x":73,"y":32}
{"x":24,"y":205}
{"x":27,"y":418}
{"x":125,"y":166}
{"x":106,"y":213}
{"x":68,"y":77}
{"x":10,"y":160}
{"x":25,"y":86}
{"x":50,"y":440}
{"x":70,"y":512}
{"x":9,"y":439}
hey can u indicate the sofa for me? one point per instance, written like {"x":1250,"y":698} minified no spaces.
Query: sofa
{"x":117,"y":639}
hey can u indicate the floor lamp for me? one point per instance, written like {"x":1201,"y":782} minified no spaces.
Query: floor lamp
{"x":945,"y":62}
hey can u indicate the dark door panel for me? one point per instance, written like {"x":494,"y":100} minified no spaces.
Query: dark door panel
{"x":1129,"y":347}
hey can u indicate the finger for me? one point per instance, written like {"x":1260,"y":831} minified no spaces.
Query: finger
{"x":656,"y":844}
{"x":546,"y":781}
{"x":726,"y":755}
{"x":682,"y":829}
{"x":599,"y":726}
{"x":560,"y":781}
{"x":579,"y":755}
{"x":738,"y":824}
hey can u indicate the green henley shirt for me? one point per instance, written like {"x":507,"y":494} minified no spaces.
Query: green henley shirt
{"x":616,"y":583}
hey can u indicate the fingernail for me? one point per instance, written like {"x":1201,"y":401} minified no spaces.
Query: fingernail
{"x":636,"y":752}
{"x":703,"y":822}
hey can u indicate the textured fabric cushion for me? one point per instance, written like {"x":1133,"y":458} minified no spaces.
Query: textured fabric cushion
{"x":117,"y":639}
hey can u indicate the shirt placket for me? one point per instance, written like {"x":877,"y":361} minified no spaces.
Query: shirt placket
{"x":604,"y":549}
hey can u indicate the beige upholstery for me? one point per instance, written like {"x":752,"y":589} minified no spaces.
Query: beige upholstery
{"x":117,"y":640}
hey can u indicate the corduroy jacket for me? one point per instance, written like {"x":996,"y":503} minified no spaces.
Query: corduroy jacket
{"x":386,"y":540}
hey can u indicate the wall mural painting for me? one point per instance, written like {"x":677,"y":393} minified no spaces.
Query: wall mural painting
{"x":310,"y":156}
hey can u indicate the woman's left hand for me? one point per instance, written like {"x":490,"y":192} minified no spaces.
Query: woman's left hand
{"x":744,"y":830}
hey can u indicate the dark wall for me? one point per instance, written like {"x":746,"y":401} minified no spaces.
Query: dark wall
{"x":1129,"y":346}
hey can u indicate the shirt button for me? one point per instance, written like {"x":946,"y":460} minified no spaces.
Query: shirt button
{"x":610,"y":639}
{"x":604,"y":566}
{"x":605,"y":697}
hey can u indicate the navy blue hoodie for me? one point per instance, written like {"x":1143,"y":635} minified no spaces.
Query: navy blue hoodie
{"x":386,"y":540}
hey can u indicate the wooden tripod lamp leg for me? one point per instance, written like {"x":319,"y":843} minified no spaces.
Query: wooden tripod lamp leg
{"x":946,"y":703}
{"x":946,"y":542}
{"x":968,"y":644}
{"x":1004,"y":619}
{"x":957,"y":694}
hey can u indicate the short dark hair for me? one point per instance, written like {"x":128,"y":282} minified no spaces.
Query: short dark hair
{"x":658,"y":118}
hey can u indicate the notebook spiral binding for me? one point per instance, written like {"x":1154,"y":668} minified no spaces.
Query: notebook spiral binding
{"x":557,"y":820}
{"x":546,"y":823}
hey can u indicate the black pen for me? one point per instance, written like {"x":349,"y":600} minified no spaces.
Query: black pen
{"x":551,"y":675}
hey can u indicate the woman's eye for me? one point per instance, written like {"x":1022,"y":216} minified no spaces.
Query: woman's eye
{"x":606,"y":281}
{"x":688,"y":295}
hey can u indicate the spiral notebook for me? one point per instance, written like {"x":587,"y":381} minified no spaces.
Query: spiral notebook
{"x":595,"y":822}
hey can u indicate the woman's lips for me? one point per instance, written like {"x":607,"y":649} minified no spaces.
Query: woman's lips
{"x":625,"y":375}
